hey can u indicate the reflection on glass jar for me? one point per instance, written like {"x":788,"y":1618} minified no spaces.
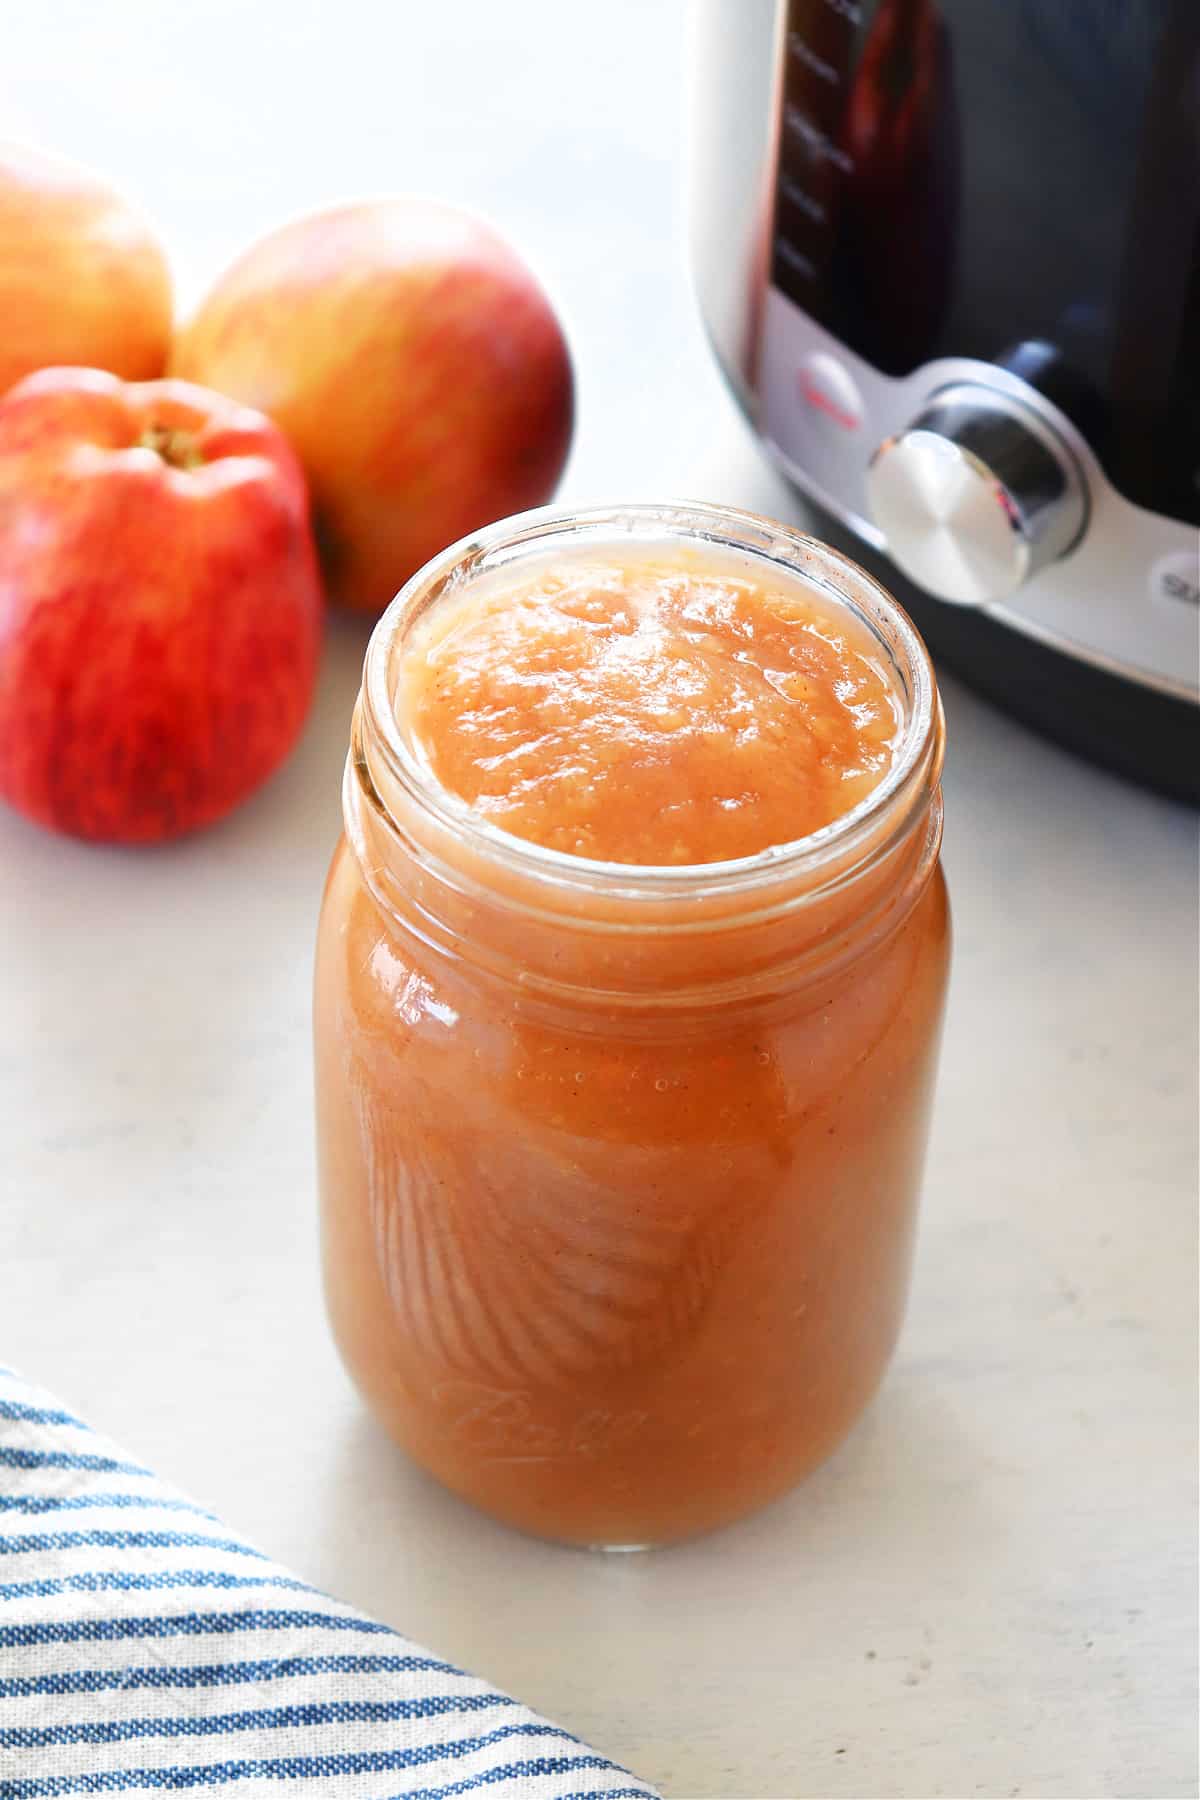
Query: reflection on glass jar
{"x":619,"y":1163}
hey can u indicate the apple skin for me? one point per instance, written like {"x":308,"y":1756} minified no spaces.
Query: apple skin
{"x":160,"y":604}
{"x":81,"y":278}
{"x":414,"y":364}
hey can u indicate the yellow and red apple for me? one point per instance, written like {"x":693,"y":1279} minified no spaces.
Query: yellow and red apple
{"x":160,"y":604}
{"x":81,"y":278}
{"x":414,"y":363}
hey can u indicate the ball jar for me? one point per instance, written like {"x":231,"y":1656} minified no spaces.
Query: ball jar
{"x":619,"y":1164}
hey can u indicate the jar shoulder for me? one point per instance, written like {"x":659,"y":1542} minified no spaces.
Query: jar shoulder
{"x":370,"y":975}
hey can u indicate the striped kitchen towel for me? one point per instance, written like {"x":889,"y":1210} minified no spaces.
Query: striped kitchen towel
{"x":144,"y":1648}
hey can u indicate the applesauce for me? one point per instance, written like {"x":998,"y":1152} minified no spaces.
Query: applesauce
{"x":629,"y":983}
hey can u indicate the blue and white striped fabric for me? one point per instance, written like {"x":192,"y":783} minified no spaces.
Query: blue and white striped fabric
{"x":144,"y":1648}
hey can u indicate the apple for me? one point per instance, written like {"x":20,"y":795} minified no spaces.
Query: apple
{"x":160,"y":604}
{"x":81,"y":278}
{"x":414,"y":364}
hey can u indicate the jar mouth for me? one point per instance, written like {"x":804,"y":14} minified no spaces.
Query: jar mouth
{"x":915,"y":766}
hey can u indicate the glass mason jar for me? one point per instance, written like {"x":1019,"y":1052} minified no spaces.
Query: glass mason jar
{"x":619,"y":1165}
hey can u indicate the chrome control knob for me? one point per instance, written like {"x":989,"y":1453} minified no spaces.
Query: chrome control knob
{"x":976,"y":496}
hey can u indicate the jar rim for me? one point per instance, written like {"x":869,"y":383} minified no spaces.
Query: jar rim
{"x":914,"y":771}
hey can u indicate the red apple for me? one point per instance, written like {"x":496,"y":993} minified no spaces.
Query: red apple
{"x":415,"y":365}
{"x":160,"y":604}
{"x":81,"y":278}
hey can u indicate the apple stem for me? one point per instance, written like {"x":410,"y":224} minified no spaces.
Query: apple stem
{"x":177,"y":448}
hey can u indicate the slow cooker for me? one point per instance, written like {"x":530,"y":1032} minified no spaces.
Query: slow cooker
{"x":947,"y":252}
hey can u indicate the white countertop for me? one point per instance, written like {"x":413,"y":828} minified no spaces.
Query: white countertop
{"x":991,"y":1589}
